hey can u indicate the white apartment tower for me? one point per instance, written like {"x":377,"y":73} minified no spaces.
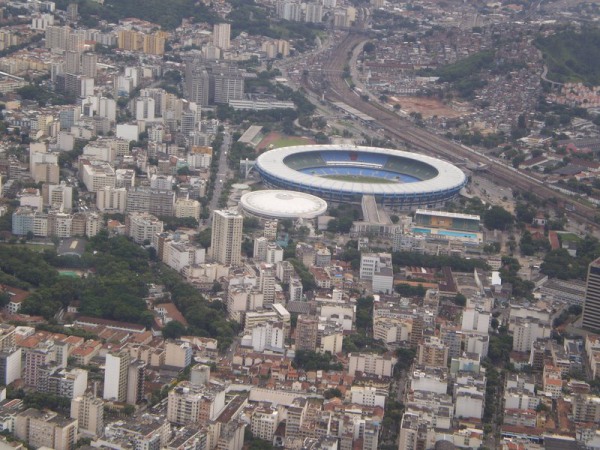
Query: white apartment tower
{"x":115,"y":376}
{"x":226,"y":238}
{"x":222,"y":36}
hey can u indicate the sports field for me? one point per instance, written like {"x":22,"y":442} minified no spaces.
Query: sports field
{"x":278,"y":140}
{"x":358,"y":179}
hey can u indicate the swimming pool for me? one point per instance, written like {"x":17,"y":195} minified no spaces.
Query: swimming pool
{"x":421,"y":230}
{"x":460,"y":234}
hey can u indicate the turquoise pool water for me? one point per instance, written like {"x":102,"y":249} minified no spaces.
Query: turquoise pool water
{"x":462,"y":234}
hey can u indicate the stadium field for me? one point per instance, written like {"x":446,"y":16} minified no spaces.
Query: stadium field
{"x":358,"y":179}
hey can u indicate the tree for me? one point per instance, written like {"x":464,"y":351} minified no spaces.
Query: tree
{"x":216,"y":288}
{"x":331,"y":393}
{"x":309,"y":360}
{"x":204,"y":237}
{"x":406,"y":357}
{"x":460,"y":300}
{"x":497,"y":218}
{"x":369,"y":47}
{"x":173,"y":330}
{"x":364,"y":313}
{"x":4,"y":299}
{"x":394,"y":218}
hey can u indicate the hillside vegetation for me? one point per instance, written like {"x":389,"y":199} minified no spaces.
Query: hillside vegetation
{"x":166,"y":13}
{"x":572,"y":56}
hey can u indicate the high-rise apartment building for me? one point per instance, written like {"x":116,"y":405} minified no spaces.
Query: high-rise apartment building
{"x":197,"y":84}
{"x":89,"y":63}
{"x":89,"y":411}
{"x":136,"y":376}
{"x":116,"y":376}
{"x":226,"y":238}
{"x":111,"y":199}
{"x":56,"y":37}
{"x":228,"y":83}
{"x":189,"y":122}
{"x":73,"y":62}
{"x":56,"y":380}
{"x":189,"y":403}
{"x":307,"y":329}
{"x":10,"y":366}
{"x":432,"y":352}
{"x":34,"y":359}
{"x":222,"y":35}
{"x":7,"y":336}
{"x":162,"y":202}
{"x":591,"y":306}
{"x":314,"y":13}
{"x":211,"y":82}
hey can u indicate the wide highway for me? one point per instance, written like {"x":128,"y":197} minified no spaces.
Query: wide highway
{"x":335,"y":88}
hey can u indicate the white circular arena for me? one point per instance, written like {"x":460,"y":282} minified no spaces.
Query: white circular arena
{"x":280,"y":204}
{"x":344,"y":173}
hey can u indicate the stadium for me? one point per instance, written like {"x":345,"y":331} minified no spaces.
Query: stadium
{"x":343,"y":174}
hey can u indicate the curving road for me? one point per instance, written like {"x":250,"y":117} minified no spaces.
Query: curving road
{"x":425,"y":141}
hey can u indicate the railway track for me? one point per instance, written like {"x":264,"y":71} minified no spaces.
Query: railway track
{"x":397,"y":128}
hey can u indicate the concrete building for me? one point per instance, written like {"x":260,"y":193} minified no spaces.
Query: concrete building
{"x":367,"y":396}
{"x":59,"y":196}
{"x":265,"y":421}
{"x":97,"y":175}
{"x":409,"y":432}
{"x":136,"y":376}
{"x":35,"y":359}
{"x":307,"y":328}
{"x":432,"y":352}
{"x":162,"y":202}
{"x":241,"y":299}
{"x":142,"y":227}
{"x":266,"y":283}
{"x":89,"y":412}
{"x":268,"y":335}
{"x":10,"y":365}
{"x":116,"y":376}
{"x":61,"y":382}
{"x":591,"y":306}
{"x":111,"y":199}
{"x":377,"y":267}
{"x":46,"y":429}
{"x":330,"y":336}
{"x":226,"y":238}
{"x":222,"y":35}
{"x":474,"y":320}
{"x":527,"y":331}
{"x":187,"y":208}
{"x":178,"y":354}
{"x":586,"y":408}
{"x":371,"y":363}
{"x":188,"y":403}
{"x":469,"y":402}
{"x":295,"y":290}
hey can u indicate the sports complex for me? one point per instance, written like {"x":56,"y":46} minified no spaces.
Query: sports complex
{"x":344,"y":173}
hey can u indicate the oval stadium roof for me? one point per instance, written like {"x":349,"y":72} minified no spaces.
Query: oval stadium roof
{"x":448,"y":176}
{"x":283,"y":204}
